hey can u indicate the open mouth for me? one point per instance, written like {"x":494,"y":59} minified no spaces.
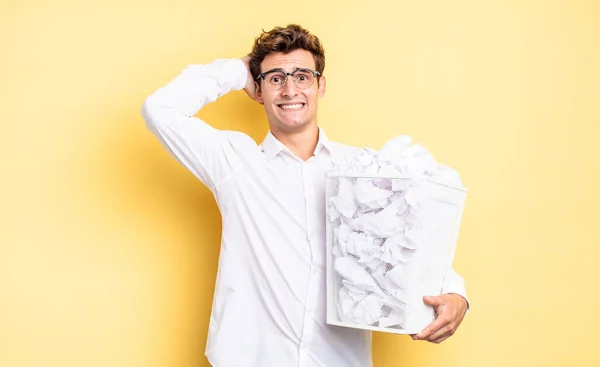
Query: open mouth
{"x":291,"y":106}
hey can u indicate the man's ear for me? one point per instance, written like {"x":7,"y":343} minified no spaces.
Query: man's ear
{"x":322,"y":86}
{"x":258,"y":93}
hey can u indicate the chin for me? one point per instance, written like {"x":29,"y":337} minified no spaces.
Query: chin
{"x":292,"y":125}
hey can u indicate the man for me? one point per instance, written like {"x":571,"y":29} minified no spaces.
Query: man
{"x":269,"y":303}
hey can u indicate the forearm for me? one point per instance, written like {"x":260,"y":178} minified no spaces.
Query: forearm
{"x":195,"y":87}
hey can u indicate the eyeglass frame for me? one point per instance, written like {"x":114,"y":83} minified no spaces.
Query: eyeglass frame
{"x":315,"y":74}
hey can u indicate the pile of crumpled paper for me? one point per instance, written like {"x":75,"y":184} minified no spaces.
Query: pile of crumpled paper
{"x":374,"y":208}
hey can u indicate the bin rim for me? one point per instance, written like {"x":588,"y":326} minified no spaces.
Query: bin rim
{"x":376,"y":175}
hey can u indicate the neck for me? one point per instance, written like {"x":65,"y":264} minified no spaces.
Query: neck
{"x":302,"y":143}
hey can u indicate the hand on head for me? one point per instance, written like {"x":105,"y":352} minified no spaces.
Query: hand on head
{"x":250,"y":87}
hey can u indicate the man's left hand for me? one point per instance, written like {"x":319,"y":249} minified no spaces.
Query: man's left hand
{"x":450,"y":310}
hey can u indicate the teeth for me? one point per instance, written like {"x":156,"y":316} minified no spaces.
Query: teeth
{"x":291,"y":106}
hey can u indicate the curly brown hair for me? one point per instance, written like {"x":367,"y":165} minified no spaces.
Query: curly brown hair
{"x":286,"y":39}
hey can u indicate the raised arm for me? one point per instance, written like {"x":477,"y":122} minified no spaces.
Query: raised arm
{"x":169,"y":115}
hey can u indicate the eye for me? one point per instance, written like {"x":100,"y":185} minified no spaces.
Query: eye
{"x":276,"y":78}
{"x":303,"y":77}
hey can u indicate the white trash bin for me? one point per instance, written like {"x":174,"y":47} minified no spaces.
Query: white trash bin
{"x":390,"y":241}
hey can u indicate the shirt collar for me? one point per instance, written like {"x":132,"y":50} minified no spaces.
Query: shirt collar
{"x":272,"y":147}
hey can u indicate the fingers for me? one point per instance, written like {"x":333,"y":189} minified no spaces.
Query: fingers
{"x":440,"y":321}
{"x":446,"y":322}
{"x":431,"y":329}
{"x":433,"y":300}
{"x":438,"y":341}
{"x":442,"y":325}
{"x":442,"y":334}
{"x":439,"y":330}
{"x":438,"y":335}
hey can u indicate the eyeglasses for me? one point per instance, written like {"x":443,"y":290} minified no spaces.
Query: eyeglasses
{"x":276,"y":78}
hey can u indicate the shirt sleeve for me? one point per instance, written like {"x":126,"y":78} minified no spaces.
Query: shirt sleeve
{"x":169,"y":115}
{"x":454,"y":283}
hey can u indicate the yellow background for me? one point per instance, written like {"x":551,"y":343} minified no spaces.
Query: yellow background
{"x":109,"y":248}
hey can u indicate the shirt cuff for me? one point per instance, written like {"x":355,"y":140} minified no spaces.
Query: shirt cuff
{"x":235,"y":73}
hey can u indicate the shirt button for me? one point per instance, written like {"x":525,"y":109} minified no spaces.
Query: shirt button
{"x":314,"y":270}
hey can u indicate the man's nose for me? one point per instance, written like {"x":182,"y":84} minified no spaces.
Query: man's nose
{"x":289,"y":89}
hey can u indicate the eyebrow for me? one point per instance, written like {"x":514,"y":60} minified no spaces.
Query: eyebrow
{"x":283,"y":71}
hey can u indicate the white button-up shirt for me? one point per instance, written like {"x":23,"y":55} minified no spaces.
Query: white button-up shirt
{"x":270,"y":296}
